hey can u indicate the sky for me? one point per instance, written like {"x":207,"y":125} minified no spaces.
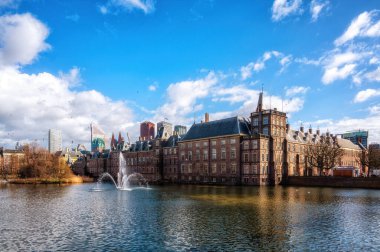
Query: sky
{"x":116,"y":63}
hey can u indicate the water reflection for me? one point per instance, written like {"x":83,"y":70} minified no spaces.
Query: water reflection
{"x":197,"y":218}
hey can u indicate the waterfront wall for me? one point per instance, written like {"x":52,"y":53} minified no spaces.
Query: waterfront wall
{"x":345,"y":182}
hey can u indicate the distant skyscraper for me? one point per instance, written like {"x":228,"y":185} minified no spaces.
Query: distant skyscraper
{"x":98,"y":138}
{"x":146,"y":130}
{"x":55,"y":140}
{"x":180,"y":129}
{"x":357,"y":137}
{"x":167,"y":129}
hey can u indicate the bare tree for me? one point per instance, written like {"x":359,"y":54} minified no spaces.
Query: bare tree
{"x":370,"y":158}
{"x":323,"y":155}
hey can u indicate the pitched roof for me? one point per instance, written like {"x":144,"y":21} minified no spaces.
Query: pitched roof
{"x":345,"y":143}
{"x":229,"y":126}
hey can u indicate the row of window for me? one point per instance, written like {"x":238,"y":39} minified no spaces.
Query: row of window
{"x":255,"y":169}
{"x":207,"y":179}
{"x":255,"y":144}
{"x":204,"y":168}
{"x":265,"y":121}
{"x":205,"y":155}
{"x":256,"y":157}
{"x":205,"y":143}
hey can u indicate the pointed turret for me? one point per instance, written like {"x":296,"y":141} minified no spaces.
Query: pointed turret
{"x":119,"y":139}
{"x":113,"y":142}
{"x":260,"y":103}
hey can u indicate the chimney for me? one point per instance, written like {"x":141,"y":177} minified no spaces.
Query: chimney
{"x":318,"y":132}
{"x":207,"y":117}
{"x":301,"y":129}
{"x":310,"y":130}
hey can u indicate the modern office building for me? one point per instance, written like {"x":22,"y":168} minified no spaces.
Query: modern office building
{"x":357,"y":137}
{"x":180,"y":130}
{"x":98,"y":138}
{"x":55,"y":140}
{"x":147,"y":130}
{"x":164,"y":129}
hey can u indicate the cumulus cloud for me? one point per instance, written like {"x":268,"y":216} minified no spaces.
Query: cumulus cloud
{"x":182,"y":98}
{"x":284,"y":8}
{"x":259,"y":64}
{"x":22,"y":38}
{"x":316,"y":8}
{"x":9,"y":3}
{"x":364,"y":25}
{"x":34,"y":103}
{"x":147,"y":6}
{"x":364,"y":95}
{"x":296,"y":90}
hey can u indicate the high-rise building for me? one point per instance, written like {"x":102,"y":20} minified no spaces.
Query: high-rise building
{"x":55,"y":140}
{"x":164,"y":129}
{"x":146,"y":130}
{"x":180,"y":129}
{"x":357,"y":137}
{"x":98,"y":138}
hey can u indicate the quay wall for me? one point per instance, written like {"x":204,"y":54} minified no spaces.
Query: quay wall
{"x":344,"y":182}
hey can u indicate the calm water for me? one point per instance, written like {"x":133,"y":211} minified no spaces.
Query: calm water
{"x":183,"y":218}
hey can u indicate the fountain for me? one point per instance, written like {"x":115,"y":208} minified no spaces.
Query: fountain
{"x":124,"y":181}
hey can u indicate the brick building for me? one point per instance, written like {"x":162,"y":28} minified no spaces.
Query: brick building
{"x":261,"y":150}
{"x":146,"y":130}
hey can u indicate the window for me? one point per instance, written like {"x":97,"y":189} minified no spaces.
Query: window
{"x":232,"y":141}
{"x":223,"y":142}
{"x":182,"y":168}
{"x":213,"y":154}
{"x":165,"y":151}
{"x":157,"y":152}
{"x":190,"y":168}
{"x":213,"y":168}
{"x":265,"y":120}
{"x":265,"y":131}
{"x":174,"y":151}
{"x":197,"y":155}
{"x":223,"y":168}
{"x":157,"y":143}
{"x":205,"y":144}
{"x":181,"y":145}
{"x":197,"y":144}
{"x":246,"y":145}
{"x":246,"y":169}
{"x":255,"y":170}
{"x":233,"y":168}
{"x":262,"y":157}
{"x":213,"y":142}
{"x":246,"y":158}
{"x":189,"y":145}
{"x":254,"y":157}
{"x":182,"y":155}
{"x":267,"y":157}
{"x":254,"y":144}
{"x":223,"y":153}
{"x":205,"y":168}
{"x":205,"y":154}
{"x":190,"y":155}
{"x":233,"y":153}
{"x":255,"y":122}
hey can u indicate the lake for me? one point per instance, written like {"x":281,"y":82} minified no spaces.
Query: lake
{"x":188,"y":218}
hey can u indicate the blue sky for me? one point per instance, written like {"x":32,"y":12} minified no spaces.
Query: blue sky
{"x":64,"y":64}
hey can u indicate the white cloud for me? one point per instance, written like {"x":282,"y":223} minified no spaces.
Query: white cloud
{"x":34,"y":103}
{"x":370,"y":122}
{"x":363,"y":25}
{"x":22,"y":37}
{"x":153,"y":87}
{"x":296,"y":90}
{"x":374,"y":75}
{"x":364,"y":95}
{"x":316,"y":8}
{"x":182,"y":98}
{"x":337,"y":73}
{"x":259,"y":65}
{"x":147,"y":6}
{"x":283,"y":8}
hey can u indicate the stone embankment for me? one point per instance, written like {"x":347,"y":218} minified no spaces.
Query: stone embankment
{"x":367,"y":183}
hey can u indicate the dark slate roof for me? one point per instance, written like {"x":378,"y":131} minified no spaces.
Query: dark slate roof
{"x":229,"y":126}
{"x":173,"y":140}
{"x":141,"y":146}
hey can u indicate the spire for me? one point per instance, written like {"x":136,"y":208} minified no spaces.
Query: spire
{"x":260,"y":102}
{"x":119,"y":138}
{"x":112,"y":141}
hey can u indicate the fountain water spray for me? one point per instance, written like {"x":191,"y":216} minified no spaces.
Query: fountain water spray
{"x":123,"y":179}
